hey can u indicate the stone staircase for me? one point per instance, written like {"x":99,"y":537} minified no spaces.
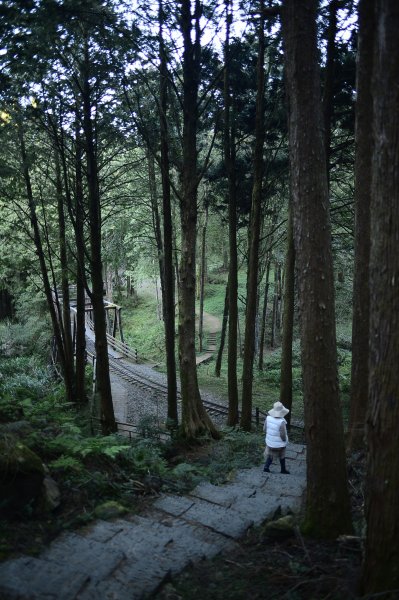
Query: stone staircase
{"x":129,"y":559}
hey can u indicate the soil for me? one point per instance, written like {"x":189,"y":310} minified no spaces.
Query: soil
{"x":291,"y":569}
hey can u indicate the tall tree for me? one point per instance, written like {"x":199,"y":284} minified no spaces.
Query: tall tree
{"x":363,"y":163}
{"x":381,"y":564}
{"x":328,"y":93}
{"x":107,"y":415}
{"x":195,"y":420}
{"x":288,"y":319}
{"x":232,"y":289}
{"x":53,"y":307}
{"x":327,"y":499}
{"x":254,"y":234}
{"x":168,"y":275}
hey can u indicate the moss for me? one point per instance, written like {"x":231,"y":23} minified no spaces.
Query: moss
{"x":109,"y":510}
{"x":15,"y":457}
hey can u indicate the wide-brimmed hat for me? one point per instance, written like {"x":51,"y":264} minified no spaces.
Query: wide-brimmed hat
{"x":279,"y":411}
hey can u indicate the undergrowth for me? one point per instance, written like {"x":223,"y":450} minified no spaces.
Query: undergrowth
{"x":93,"y":470}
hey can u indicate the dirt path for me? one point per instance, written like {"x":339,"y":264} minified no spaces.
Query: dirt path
{"x":211,"y":323}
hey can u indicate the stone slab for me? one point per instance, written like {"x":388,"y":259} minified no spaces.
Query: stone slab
{"x":155,"y":547}
{"x":174,"y":505}
{"x":28,"y":578}
{"x":222,"y":520}
{"x":223,"y":495}
{"x":103,"y":531}
{"x":108,"y":590}
{"x":258,"y":507}
{"x":84,"y":555}
{"x":195,"y":541}
{"x":285,"y":485}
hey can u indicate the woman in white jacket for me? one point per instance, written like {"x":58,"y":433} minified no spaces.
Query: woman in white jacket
{"x":276,"y":438}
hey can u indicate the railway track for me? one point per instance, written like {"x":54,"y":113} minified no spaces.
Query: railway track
{"x":147,"y":384}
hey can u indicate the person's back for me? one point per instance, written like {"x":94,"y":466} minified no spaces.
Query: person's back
{"x":276,"y":437}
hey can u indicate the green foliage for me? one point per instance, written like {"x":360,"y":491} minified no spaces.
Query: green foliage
{"x":144,"y":330}
{"x":186,"y":476}
{"x":31,"y":331}
{"x":237,"y":450}
{"x":66,"y":463}
{"x":73,"y":443}
{"x":145,"y":457}
{"x":148,"y":427}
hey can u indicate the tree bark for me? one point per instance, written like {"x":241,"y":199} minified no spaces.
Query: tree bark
{"x":218,"y":363}
{"x":56,"y":323}
{"x":288,"y":320}
{"x":254,"y":236}
{"x":202,"y":283}
{"x":275,"y":307}
{"x":66,"y":329}
{"x":327,"y":499}
{"x":80,"y":342}
{"x":363,"y":164}
{"x":229,"y":158}
{"x":195,"y":420}
{"x":328,"y":94}
{"x":381,"y":564}
{"x":264,"y":313}
{"x":107,"y":415}
{"x":168,"y":276}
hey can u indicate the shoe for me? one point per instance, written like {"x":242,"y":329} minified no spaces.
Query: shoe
{"x":283,"y":469}
{"x":268,"y":462}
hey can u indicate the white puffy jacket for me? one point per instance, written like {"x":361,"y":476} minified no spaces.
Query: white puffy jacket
{"x":273,"y":436}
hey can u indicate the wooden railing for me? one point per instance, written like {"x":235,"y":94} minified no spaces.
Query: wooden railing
{"x":117,"y":345}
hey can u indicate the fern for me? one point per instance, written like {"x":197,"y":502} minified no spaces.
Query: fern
{"x":67,"y":463}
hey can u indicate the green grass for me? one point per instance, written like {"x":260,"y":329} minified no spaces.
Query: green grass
{"x":144,"y":330}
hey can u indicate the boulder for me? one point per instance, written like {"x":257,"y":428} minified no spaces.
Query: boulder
{"x":21,"y":476}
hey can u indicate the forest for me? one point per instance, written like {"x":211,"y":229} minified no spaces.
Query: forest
{"x":241,"y":160}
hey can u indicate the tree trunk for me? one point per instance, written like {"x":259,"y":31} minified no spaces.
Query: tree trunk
{"x":327,"y":499}
{"x":328,"y":94}
{"x":274,"y":310}
{"x":381,"y":565}
{"x":156,"y":220}
{"x":107,"y":415}
{"x":169,"y":279}
{"x":202,"y":283}
{"x":363,"y":163}
{"x":6,"y":304}
{"x":218,"y":364}
{"x":264,"y":313}
{"x":66,"y":328}
{"x":80,"y":365}
{"x":43,"y":267}
{"x":195,"y":420}
{"x":288,"y":320}
{"x":229,"y":157}
{"x":254,"y":236}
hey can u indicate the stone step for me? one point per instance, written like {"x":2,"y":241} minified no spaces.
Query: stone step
{"x":28,"y":578}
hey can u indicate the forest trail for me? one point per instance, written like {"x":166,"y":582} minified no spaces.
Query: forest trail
{"x":131,"y":558}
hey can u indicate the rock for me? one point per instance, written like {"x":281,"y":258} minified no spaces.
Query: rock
{"x":109,"y":510}
{"x":51,"y":497}
{"x":280,"y":529}
{"x":21,"y":475}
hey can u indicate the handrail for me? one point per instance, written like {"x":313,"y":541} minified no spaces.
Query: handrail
{"x":117,"y":345}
